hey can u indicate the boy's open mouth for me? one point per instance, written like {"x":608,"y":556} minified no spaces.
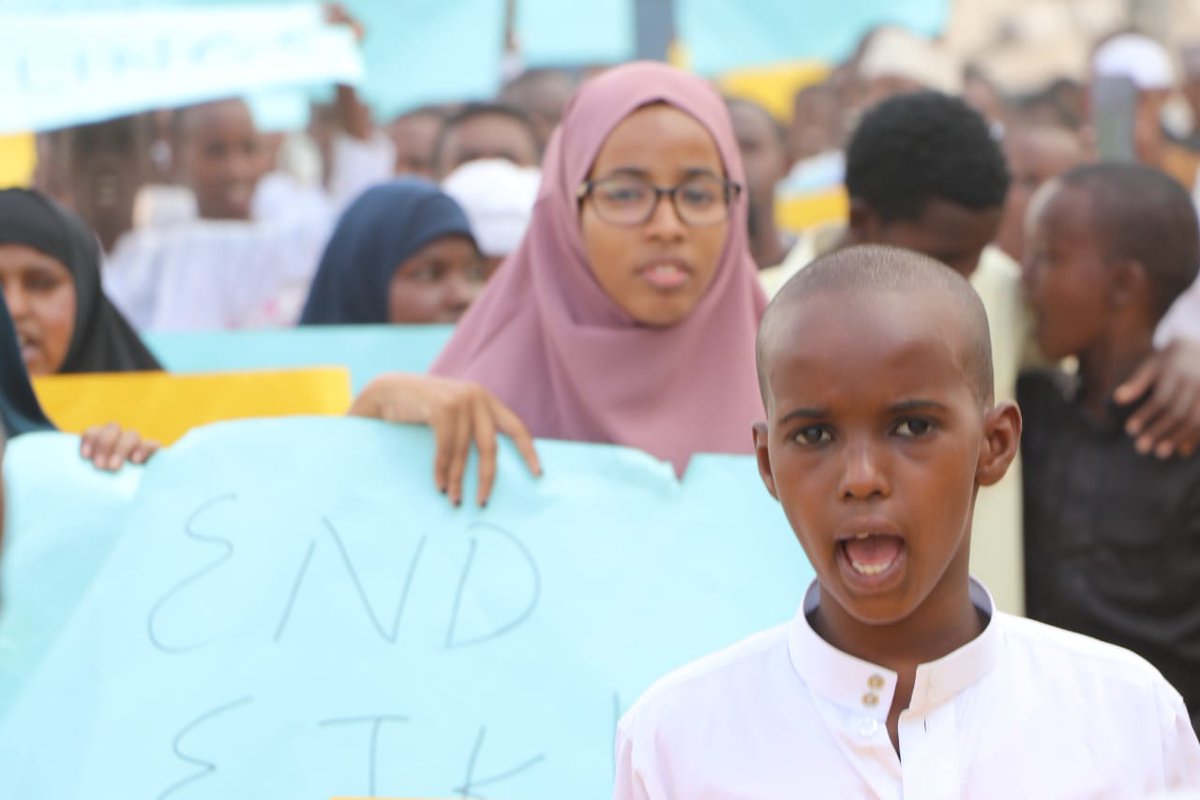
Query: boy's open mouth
{"x":871,"y":554}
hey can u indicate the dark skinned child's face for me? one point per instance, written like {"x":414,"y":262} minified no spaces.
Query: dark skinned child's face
{"x":875,"y":444}
{"x":487,"y":136}
{"x":221,"y":158}
{"x":947,"y":232}
{"x":1065,"y":277}
{"x":437,"y":283}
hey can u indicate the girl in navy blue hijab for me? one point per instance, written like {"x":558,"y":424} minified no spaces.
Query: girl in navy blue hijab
{"x":401,"y":253}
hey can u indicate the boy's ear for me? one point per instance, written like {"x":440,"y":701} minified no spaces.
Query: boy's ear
{"x":864,"y":222}
{"x":764,"y":458}
{"x":1129,"y":284}
{"x":1001,"y":442}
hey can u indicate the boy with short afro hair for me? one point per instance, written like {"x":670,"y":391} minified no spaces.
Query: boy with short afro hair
{"x":1112,"y":538}
{"x":898,"y":677}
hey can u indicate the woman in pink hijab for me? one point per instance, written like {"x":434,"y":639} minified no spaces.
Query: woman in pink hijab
{"x":628,"y":313}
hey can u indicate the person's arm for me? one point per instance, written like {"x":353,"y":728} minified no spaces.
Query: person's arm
{"x":110,"y":446}
{"x":354,"y":116}
{"x":1168,"y":420}
{"x":460,"y":412}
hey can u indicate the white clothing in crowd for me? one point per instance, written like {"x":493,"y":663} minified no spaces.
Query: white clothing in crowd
{"x":498,"y":198}
{"x":178,"y":272}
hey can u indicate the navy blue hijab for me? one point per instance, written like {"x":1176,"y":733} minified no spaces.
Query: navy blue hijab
{"x":380,"y":230}
{"x":19,"y":408}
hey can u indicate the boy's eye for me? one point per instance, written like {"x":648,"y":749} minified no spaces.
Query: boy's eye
{"x":914,"y":428}
{"x":813,"y":434}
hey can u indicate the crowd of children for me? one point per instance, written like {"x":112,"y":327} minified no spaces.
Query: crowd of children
{"x":999,"y":342}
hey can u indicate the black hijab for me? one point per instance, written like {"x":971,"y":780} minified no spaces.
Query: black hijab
{"x":20,"y":411}
{"x":102,"y":340}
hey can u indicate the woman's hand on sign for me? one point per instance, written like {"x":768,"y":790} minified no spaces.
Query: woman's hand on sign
{"x":459,"y":412}
{"x":110,"y":447}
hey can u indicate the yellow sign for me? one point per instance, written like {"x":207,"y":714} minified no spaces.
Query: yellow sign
{"x":163,"y":407}
{"x":802,"y":212}
{"x":17,"y":159}
{"x":773,"y":86}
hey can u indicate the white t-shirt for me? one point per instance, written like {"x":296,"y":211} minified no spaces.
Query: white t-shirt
{"x":1022,"y":711}
{"x":183,"y":273}
{"x":1183,"y":319}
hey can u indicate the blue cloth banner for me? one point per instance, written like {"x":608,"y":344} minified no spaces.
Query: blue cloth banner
{"x":64,"y":517}
{"x":292,"y":611}
{"x":367,"y":350}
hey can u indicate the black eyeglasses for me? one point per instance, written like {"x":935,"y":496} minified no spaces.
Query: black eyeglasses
{"x":630,"y":200}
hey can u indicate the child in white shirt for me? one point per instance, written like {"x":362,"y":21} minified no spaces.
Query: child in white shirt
{"x":897,"y":677}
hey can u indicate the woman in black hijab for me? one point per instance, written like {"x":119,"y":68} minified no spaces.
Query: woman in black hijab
{"x":106,"y":446}
{"x":20,"y":411}
{"x":50,"y":276}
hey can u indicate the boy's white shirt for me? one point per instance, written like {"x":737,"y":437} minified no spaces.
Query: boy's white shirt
{"x":196,"y":274}
{"x":1024,"y":710}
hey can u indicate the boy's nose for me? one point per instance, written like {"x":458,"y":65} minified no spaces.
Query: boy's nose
{"x":863,"y":473}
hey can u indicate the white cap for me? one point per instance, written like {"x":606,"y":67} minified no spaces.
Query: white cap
{"x":1146,"y":62}
{"x":898,"y":52}
{"x":498,"y":198}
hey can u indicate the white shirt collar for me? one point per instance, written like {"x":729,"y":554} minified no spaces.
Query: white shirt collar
{"x":867,"y":688}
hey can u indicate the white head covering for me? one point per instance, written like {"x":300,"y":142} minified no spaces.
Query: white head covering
{"x":498,"y":197}
{"x":1140,"y":58}
{"x":898,"y":52}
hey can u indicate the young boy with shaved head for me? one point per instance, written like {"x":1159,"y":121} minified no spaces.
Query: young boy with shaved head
{"x":898,"y":677}
{"x":1112,"y":538}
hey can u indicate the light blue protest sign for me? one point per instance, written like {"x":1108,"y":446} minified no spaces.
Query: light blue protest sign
{"x":430,"y":51}
{"x":63,"y":518}
{"x":721,"y":36}
{"x":367,"y":350}
{"x":66,"y":68}
{"x":553,"y":33}
{"x":293,"y":612}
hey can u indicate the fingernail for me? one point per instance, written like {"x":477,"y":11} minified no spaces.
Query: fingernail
{"x":1164,"y":451}
{"x":1133,"y":428}
{"x":1144,"y":444}
{"x":114,"y":462}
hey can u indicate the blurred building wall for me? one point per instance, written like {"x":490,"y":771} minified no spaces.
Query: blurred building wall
{"x":1022,"y":44}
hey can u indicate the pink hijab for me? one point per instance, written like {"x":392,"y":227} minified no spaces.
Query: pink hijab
{"x":547,"y":340}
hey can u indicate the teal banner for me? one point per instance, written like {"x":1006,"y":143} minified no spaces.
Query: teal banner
{"x":292,"y":611}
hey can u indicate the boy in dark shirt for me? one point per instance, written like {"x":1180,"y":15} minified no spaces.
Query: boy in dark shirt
{"x":1112,"y":537}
